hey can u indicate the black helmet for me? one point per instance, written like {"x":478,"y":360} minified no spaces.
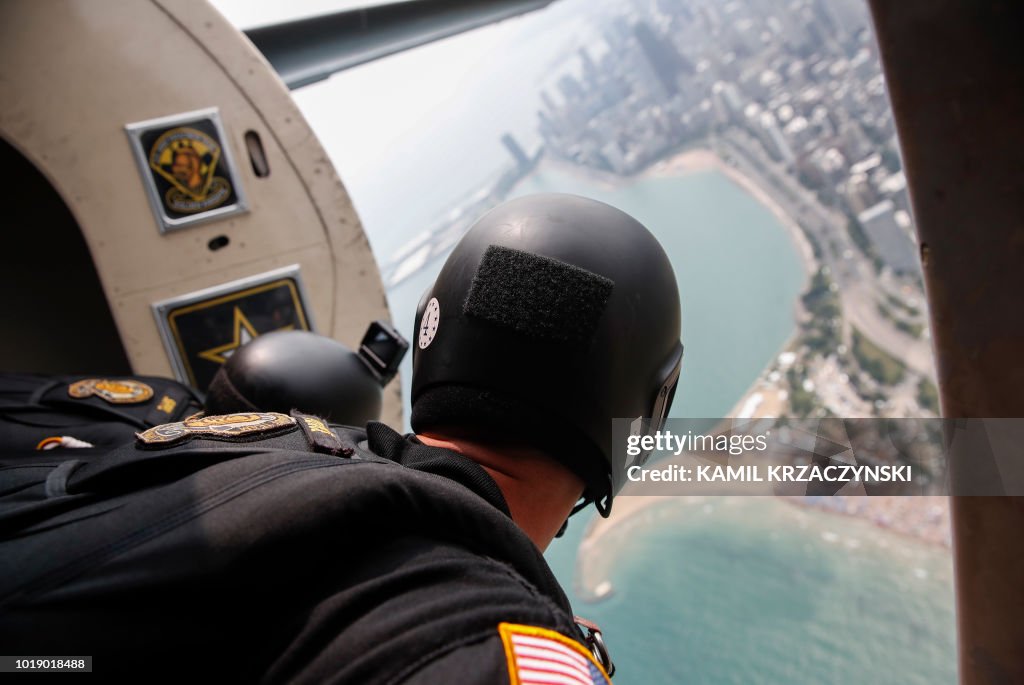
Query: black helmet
{"x":300,"y":370}
{"x":553,"y":315}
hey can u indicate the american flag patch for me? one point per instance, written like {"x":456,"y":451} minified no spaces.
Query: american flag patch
{"x":537,"y":656}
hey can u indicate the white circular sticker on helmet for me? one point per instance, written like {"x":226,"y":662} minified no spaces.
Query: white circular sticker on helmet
{"x":429,"y":322}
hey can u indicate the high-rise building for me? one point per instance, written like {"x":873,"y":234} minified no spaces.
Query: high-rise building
{"x":892,"y":241}
{"x":730,"y":98}
{"x":549,"y":131}
{"x":773,"y":139}
{"x":590,"y":74}
{"x":664,"y":59}
{"x":845,"y":16}
{"x":675,"y":9}
{"x":545,"y":97}
{"x":522,"y":161}
{"x":858,"y":192}
{"x":570,"y":88}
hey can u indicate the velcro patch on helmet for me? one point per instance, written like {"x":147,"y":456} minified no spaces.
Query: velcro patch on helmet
{"x":537,"y":296}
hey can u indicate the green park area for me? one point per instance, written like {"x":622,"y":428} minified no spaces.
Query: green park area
{"x":878,"y":364}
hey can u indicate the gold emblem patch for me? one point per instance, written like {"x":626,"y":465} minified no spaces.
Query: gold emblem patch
{"x":317,"y":426}
{"x":224,"y":427}
{"x":186,"y":165}
{"x":167,"y":405}
{"x":187,"y":158}
{"x":166,"y":433}
{"x":115,"y":392}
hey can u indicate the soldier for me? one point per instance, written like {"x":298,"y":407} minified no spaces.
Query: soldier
{"x":265,"y":546}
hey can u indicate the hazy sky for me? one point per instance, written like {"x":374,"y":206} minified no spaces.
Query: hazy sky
{"x":373,"y":110}
{"x":425,"y":124}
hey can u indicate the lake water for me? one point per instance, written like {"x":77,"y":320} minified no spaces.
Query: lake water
{"x":756,"y":590}
{"x":747,"y":590}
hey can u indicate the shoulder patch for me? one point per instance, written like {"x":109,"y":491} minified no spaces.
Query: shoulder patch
{"x":113,"y":391}
{"x":167,"y":404}
{"x":320,"y":436}
{"x":538,"y":656}
{"x":227,"y":427}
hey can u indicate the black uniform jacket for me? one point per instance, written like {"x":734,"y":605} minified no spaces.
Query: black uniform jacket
{"x":259,"y":559}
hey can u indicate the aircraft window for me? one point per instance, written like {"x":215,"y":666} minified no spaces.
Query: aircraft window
{"x":756,"y":140}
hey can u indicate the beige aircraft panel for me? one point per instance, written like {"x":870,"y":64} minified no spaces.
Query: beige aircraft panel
{"x":80,"y":71}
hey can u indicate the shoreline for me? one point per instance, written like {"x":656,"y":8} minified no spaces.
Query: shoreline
{"x":761,"y":399}
{"x":699,"y":159}
{"x":921,"y":520}
{"x":704,"y":159}
{"x":695,"y":160}
{"x":892,"y":514}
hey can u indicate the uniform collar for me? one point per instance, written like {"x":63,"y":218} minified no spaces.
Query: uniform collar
{"x":408,"y":451}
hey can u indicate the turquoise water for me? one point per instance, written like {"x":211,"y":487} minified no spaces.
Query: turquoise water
{"x":743,"y":590}
{"x":756,"y":590}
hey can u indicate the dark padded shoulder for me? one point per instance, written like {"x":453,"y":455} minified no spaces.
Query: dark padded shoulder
{"x":231,"y":557}
{"x":414,"y":605}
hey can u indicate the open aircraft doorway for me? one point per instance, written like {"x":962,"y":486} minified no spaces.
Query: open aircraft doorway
{"x":795,"y":107}
{"x":190,"y":176}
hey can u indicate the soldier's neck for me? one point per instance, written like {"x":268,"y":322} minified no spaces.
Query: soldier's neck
{"x":539,"y":491}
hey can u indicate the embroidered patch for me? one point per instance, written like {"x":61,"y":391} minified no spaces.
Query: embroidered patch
{"x":187,"y":168}
{"x":167,"y":405}
{"x":114,"y":392}
{"x":538,"y":656}
{"x":61,"y":441}
{"x":163,"y":434}
{"x":227,"y":427}
{"x":187,"y":159}
{"x":320,"y":436}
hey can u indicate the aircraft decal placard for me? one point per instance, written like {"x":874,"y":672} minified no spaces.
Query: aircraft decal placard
{"x":187,"y":168}
{"x":201,"y":330}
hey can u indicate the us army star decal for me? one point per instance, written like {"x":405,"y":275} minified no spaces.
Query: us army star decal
{"x":244,"y":332}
